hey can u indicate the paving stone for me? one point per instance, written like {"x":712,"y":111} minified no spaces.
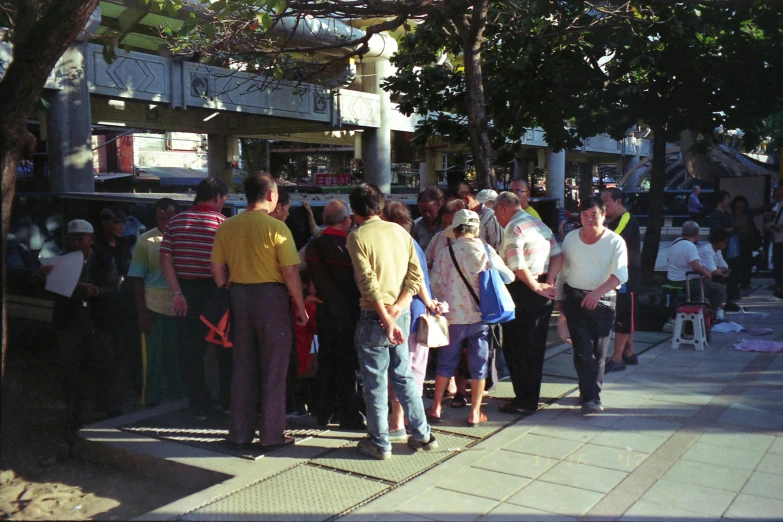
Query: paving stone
{"x":771,"y":463}
{"x":555,"y":498}
{"x":543,"y":446}
{"x":669,"y":409}
{"x":708,"y":475}
{"x":607,"y":457}
{"x":635,"y":441}
{"x":617,"y":400}
{"x":574,"y":417}
{"x":755,"y":508}
{"x":382,"y":517}
{"x":484,"y":483}
{"x":579,"y":475}
{"x":513,"y":513}
{"x":567,"y":431}
{"x":442,"y":504}
{"x":748,"y":416}
{"x":519,"y":464}
{"x":738,"y":439}
{"x":647,"y":426}
{"x":731,"y":457}
{"x":777,"y":446}
{"x":646,"y":511}
{"x":684,"y":397}
{"x":764,"y":485}
{"x":712,"y":502}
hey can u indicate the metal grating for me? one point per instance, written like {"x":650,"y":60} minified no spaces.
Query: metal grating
{"x":209,"y":434}
{"x":302,"y":493}
{"x":404,"y":463}
{"x":454,"y":420}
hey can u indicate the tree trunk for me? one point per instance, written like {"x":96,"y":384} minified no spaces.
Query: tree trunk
{"x":477,"y":115}
{"x":652,"y":237}
{"x":37,"y":47}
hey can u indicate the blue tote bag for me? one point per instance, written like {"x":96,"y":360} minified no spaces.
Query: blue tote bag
{"x":494,"y":300}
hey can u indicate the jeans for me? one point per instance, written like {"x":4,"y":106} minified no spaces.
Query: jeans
{"x":590,"y":332}
{"x":475,"y":335}
{"x":380,"y":361}
{"x":524,"y":344}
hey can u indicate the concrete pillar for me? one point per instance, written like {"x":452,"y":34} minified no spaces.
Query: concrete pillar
{"x":555,"y":175}
{"x":427,"y":175}
{"x":217,"y":158}
{"x":357,"y":145}
{"x":69,"y":129}
{"x":542,"y":158}
{"x":376,"y":143}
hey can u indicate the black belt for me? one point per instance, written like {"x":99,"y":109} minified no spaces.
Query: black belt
{"x":606,"y":299}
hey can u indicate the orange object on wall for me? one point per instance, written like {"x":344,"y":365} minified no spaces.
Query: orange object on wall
{"x":125,"y":154}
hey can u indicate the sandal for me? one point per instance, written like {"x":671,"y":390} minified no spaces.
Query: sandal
{"x":482,"y":418}
{"x":459,"y":401}
{"x":431,"y":417}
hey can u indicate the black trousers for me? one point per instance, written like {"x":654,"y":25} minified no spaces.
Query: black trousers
{"x":192,"y":346}
{"x":524,"y":343}
{"x":777,"y":259}
{"x":590,"y":334}
{"x":78,"y":338}
{"x":336,"y":386}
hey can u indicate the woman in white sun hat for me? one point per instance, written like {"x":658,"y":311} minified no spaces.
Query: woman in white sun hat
{"x":487,"y":198}
{"x":466,"y":254}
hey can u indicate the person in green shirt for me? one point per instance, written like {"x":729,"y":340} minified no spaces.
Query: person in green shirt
{"x":521,"y":188}
{"x":153,"y":296}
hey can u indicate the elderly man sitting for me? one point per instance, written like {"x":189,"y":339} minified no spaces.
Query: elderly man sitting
{"x":684,"y":258}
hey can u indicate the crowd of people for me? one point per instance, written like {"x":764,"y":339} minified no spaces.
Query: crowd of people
{"x":351,"y":299}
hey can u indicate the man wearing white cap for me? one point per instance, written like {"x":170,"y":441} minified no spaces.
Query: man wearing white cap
{"x":81,"y":325}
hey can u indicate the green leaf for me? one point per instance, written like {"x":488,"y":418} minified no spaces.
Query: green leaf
{"x":218,"y":6}
{"x":264,"y":20}
{"x":279,"y":6}
{"x":278,"y":72}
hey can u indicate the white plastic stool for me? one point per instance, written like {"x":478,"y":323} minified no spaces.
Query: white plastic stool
{"x":687,"y":315}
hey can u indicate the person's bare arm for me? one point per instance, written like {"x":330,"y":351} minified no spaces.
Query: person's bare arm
{"x":145,"y":320}
{"x":219,"y":273}
{"x":591,"y":300}
{"x":294,"y":285}
{"x":697,"y":267}
{"x":555,"y":264}
{"x":178,"y":303}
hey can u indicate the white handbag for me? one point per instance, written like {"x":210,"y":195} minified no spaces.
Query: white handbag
{"x":433,"y":330}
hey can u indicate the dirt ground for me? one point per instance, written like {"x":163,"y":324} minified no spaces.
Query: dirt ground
{"x":43,"y":478}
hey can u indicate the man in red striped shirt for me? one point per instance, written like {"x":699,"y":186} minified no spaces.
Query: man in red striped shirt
{"x":184,"y":257}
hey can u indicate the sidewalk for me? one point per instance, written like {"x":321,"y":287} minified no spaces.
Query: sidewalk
{"x":696,"y":435}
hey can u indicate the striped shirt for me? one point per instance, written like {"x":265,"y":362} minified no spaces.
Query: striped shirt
{"x":189,"y":238}
{"x":527,"y":241}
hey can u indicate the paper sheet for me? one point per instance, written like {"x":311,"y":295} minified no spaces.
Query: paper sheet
{"x":65,"y":274}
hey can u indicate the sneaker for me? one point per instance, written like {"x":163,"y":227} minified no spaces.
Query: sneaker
{"x":300,"y":412}
{"x":430,"y":445}
{"x":612,"y":366}
{"x":668,"y":327}
{"x":398,"y":436}
{"x":592,"y":407}
{"x":199,"y":413}
{"x":369,"y":448}
{"x":633,"y":360}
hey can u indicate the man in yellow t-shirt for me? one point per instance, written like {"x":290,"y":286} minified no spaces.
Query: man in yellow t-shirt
{"x":521,"y":188}
{"x":258,"y":252}
{"x":153,"y":306}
